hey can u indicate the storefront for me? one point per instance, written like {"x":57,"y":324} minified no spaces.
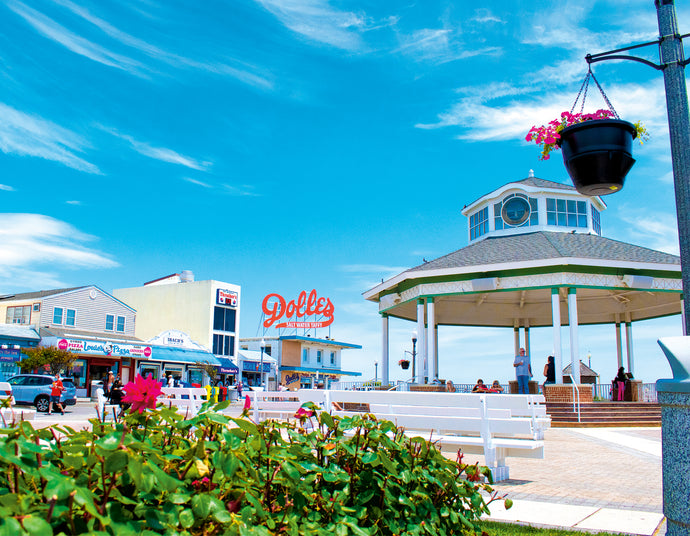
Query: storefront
{"x":96,"y":358}
{"x":13,"y":339}
{"x":253,"y":365}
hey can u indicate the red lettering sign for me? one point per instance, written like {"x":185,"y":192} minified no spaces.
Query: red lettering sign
{"x":275,"y":308}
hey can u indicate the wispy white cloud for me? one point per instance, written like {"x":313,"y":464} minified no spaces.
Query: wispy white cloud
{"x":75,"y":43}
{"x":159,"y":153}
{"x":653,"y":230}
{"x":441,"y":45}
{"x":318,"y":21}
{"x":29,"y":242}
{"x":197,"y":182}
{"x":241,"y":190}
{"x":27,"y":135}
{"x":6,"y":188}
{"x":73,"y":202}
{"x":485,"y":15}
{"x":248,"y":74}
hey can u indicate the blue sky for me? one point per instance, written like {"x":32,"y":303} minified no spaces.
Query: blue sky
{"x":286,"y":145}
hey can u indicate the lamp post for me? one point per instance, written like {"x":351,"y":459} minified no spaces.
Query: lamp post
{"x":672,"y":64}
{"x":376,"y":371}
{"x":414,"y":353}
{"x":261,"y":362}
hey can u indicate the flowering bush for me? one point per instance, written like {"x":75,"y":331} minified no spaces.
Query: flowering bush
{"x":549,"y":136}
{"x":142,"y":393}
{"x":157,"y":473}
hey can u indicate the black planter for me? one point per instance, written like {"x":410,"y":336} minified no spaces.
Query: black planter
{"x":598,"y":154}
{"x":405,"y":365}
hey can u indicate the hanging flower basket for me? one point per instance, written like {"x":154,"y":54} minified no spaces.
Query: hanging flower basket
{"x":598,"y":154}
{"x":597,"y":147}
{"x":404,"y":363}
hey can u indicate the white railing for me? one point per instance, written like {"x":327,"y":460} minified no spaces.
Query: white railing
{"x":603,"y":391}
{"x":576,"y":403}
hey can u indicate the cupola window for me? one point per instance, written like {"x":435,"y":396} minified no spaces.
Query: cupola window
{"x":516,"y":210}
{"x":566,"y":213}
{"x":479,"y":223}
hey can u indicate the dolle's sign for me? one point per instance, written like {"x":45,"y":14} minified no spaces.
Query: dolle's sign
{"x":276,"y":309}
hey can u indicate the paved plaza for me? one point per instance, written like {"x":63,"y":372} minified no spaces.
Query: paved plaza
{"x":594,"y":479}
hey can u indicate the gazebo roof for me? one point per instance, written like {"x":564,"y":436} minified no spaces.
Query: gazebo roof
{"x":542,"y":245}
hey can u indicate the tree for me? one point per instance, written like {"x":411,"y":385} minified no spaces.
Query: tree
{"x":58,"y":360}
{"x":210,"y":370}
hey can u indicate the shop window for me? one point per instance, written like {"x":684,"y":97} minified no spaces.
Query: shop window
{"x":332,"y":358}
{"x":305,"y":383}
{"x":224,"y":319}
{"x":109,"y":322}
{"x":305,"y":355}
{"x":121,"y":324}
{"x":70,"y":317}
{"x":223,"y":344}
{"x":18,"y":315}
{"x":57,"y":315}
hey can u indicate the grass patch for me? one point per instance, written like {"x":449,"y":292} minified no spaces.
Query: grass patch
{"x":493,"y":528}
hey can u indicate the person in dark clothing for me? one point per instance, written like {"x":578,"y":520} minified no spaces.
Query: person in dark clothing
{"x":116,"y":393}
{"x":550,"y":370}
{"x":620,"y":380}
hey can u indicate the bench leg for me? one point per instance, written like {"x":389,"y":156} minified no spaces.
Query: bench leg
{"x":500,"y":473}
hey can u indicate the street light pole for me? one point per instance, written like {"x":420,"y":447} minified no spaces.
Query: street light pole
{"x":672,"y":64}
{"x":414,"y":354}
{"x":376,"y":371}
{"x":261,"y":363}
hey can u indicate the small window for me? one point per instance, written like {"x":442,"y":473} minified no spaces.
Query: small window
{"x":305,"y":355}
{"x":70,"y":317}
{"x":319,"y":356}
{"x":121,"y":324}
{"x":57,"y":315}
{"x":37,"y":307}
{"x":332,"y":358}
{"x":109,"y":322}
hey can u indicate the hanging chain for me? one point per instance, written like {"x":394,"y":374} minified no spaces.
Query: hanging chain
{"x":583,"y":93}
{"x":606,"y":99}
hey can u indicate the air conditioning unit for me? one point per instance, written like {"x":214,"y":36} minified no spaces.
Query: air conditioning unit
{"x":638,"y":281}
{"x":485,"y":284}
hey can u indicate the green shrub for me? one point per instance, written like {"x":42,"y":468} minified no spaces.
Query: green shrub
{"x":157,"y":473}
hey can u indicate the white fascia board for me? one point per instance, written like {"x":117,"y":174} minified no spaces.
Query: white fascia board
{"x":541,"y":263}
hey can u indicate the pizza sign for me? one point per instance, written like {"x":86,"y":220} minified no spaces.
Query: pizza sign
{"x":288,"y":314}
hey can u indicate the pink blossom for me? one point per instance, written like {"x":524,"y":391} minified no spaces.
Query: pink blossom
{"x":303,"y":413}
{"x":142,"y":393}
{"x":247,"y":403}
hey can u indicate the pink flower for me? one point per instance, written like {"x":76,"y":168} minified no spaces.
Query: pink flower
{"x":142,"y":393}
{"x":247,"y":403}
{"x":303,"y":413}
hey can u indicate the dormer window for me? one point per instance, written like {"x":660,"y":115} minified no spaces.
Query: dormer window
{"x":516,"y":210}
{"x":479,"y":223}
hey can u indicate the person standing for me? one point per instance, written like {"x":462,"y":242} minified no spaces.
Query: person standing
{"x":620,"y":380}
{"x":108,"y":383}
{"x":523,"y":371}
{"x":56,"y":389}
{"x":550,"y":370}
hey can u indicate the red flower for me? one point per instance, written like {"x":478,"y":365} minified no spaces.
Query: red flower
{"x":247,"y":403}
{"x":142,"y":393}
{"x":303,"y":413}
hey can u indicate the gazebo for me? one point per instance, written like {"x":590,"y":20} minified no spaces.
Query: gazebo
{"x":536,"y":257}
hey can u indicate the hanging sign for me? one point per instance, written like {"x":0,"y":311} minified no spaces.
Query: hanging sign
{"x":276,"y":309}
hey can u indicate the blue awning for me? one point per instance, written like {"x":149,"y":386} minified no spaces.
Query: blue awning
{"x":182,"y":355}
{"x":227,"y":366}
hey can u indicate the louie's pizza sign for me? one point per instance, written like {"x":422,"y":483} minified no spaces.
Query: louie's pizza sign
{"x":288,"y":314}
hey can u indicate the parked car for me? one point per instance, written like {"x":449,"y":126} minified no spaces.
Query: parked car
{"x":35,"y":389}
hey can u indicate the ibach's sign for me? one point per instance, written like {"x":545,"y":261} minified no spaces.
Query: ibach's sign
{"x":276,"y":309}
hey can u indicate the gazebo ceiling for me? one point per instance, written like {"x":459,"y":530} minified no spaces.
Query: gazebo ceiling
{"x":533,"y":307}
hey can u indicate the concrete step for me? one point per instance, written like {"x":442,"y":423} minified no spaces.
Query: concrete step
{"x":606,"y":414}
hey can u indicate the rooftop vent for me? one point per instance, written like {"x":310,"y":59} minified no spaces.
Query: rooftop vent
{"x":187,"y":276}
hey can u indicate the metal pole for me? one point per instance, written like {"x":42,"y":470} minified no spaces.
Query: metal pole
{"x":414,"y":356}
{"x":671,"y":52}
{"x":261,"y":364}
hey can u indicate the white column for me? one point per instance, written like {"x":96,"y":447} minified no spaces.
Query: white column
{"x":629,"y":346}
{"x":516,"y":338}
{"x":556,"y":321}
{"x":574,"y":343}
{"x":431,"y":337}
{"x":421,"y":342}
{"x":527,"y":339}
{"x":619,"y":344}
{"x":385,"y":349}
{"x":436,"y":350}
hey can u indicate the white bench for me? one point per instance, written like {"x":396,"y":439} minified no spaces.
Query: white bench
{"x":497,"y":426}
{"x":187,"y":400}
{"x":274,"y":405}
{"x":105,"y":409}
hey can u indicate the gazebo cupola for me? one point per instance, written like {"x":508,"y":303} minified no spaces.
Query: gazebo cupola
{"x":532,"y":205}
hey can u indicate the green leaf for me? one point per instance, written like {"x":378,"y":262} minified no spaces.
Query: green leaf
{"x":186,"y":518}
{"x":326,"y":419}
{"x":201,"y":505}
{"x":246,"y":425}
{"x":59,"y":488}
{"x":110,"y":442}
{"x":38,"y":526}
{"x":116,"y":461}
